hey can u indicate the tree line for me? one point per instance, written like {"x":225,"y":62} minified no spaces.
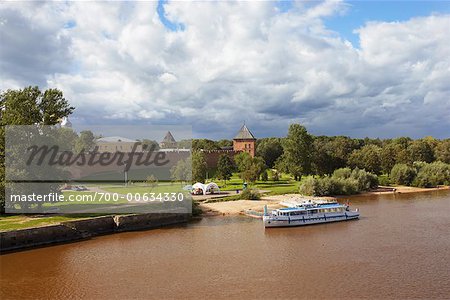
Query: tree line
{"x":302,"y":154}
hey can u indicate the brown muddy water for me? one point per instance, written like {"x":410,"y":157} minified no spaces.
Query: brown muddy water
{"x":400,"y":248}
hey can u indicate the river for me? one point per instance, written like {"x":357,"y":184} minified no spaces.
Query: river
{"x":400,"y":248}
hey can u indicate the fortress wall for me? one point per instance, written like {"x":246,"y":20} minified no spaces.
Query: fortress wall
{"x":212,"y":156}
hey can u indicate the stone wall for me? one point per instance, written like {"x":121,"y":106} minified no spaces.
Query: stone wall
{"x":145,"y":221}
{"x":93,"y":226}
{"x":212,"y":156}
{"x":82,"y":229}
{"x":25,"y":238}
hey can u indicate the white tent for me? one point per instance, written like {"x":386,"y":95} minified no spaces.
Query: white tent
{"x":211,"y":187}
{"x":197,"y":187}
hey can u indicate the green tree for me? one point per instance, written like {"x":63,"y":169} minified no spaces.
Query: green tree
{"x":257,"y":168}
{"x":184,"y":144}
{"x":325,"y":160}
{"x":343,"y":147}
{"x":182,"y":171}
{"x":265,"y":176}
{"x":85,"y":142}
{"x":66,"y":139}
{"x":199,"y":166}
{"x":270,"y":149}
{"x":250,"y":169}
{"x":403,"y":155}
{"x":243,"y":162}
{"x":224,"y":167}
{"x":403,"y":174}
{"x":225,"y":143}
{"x":433,"y":174}
{"x":420,"y":150}
{"x":442,"y":151}
{"x":149,"y":145}
{"x":298,"y":147}
{"x":367,"y":158}
{"x":204,"y":144}
{"x":388,"y":156}
{"x":28,"y":106}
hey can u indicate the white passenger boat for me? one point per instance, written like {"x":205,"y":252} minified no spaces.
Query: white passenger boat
{"x":307,"y":213}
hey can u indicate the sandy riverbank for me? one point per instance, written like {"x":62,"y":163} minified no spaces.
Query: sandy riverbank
{"x":237,"y":207}
{"x":273,"y":202}
{"x":240,"y":206}
{"x":398,"y":189}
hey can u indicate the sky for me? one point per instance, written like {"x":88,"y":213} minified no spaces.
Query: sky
{"x":357,"y":68}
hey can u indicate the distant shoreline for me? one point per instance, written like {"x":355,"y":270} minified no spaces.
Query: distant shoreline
{"x":236,"y":207}
{"x":385,"y":190}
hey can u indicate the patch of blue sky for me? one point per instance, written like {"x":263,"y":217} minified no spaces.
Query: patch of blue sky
{"x":171,"y":25}
{"x":70,"y":24}
{"x":284,"y":5}
{"x":361,"y":12}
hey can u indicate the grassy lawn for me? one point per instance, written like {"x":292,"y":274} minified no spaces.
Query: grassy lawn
{"x":22,"y":221}
{"x":285,"y":185}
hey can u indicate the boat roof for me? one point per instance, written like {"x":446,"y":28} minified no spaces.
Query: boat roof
{"x":331,"y":205}
{"x":291,"y":208}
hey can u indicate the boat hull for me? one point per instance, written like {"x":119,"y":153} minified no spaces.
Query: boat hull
{"x":270,"y":221}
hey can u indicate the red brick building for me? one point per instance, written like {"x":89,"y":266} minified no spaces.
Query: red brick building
{"x":245,"y":141}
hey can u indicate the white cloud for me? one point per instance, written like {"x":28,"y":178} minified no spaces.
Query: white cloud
{"x":234,"y":61}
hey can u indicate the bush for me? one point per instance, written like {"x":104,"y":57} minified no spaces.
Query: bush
{"x":365,"y":180}
{"x":343,"y":182}
{"x":250,"y":195}
{"x":403,"y":174}
{"x":431,"y":175}
{"x":342,"y":173}
{"x":308,"y":186}
{"x":349,"y":187}
{"x":384,"y":180}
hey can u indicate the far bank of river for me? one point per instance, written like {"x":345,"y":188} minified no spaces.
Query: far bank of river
{"x":240,"y":206}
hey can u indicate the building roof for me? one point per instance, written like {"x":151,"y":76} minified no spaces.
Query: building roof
{"x":244,"y":134}
{"x":168,"y":138}
{"x":115,"y":139}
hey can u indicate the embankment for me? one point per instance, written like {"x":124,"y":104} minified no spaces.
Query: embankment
{"x":83,"y":229}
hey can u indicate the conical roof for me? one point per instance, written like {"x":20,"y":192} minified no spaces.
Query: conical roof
{"x":168,"y":138}
{"x":244,"y":134}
